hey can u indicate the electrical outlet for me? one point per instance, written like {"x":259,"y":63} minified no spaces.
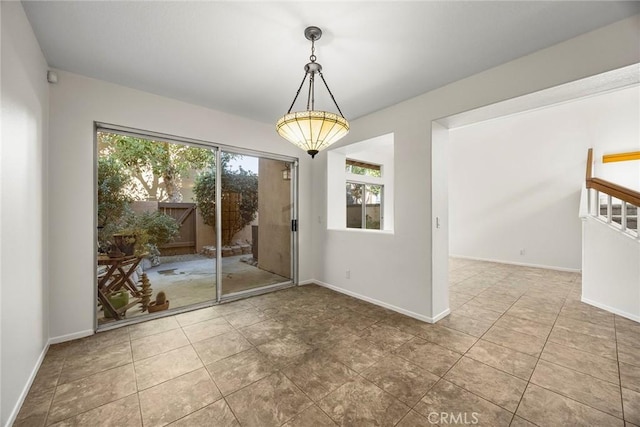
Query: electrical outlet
{"x":347,"y":274}
{"x":521,"y":251}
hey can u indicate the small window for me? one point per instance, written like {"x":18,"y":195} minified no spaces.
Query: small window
{"x":357,"y":167}
{"x":364,"y":205}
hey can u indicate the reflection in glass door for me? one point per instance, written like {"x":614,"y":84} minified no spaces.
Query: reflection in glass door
{"x":256,"y":223}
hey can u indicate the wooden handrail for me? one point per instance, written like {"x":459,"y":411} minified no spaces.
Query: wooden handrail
{"x":589,"y":163}
{"x":615,"y":190}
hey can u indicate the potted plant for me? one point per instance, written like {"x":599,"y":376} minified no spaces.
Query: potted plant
{"x":161,"y":303}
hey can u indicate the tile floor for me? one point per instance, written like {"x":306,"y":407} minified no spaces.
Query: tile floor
{"x":518,"y":349}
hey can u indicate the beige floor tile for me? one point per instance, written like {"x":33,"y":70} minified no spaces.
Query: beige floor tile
{"x":413,"y":419}
{"x":468,"y":325}
{"x":240,"y":370}
{"x":82,"y":364}
{"x":353,"y":320}
{"x":587,"y":363}
{"x":360,"y":363}
{"x":405,"y":323}
{"x":524,"y":326}
{"x":232,"y":307}
{"x":221,"y":346}
{"x":386,"y":337}
{"x":539,"y":316}
{"x":404,"y":380}
{"x":496,"y":386}
{"x":584,"y":388}
{"x":282,"y":351}
{"x":317,"y":373}
{"x":311,"y":417}
{"x":631,"y":405}
{"x":448,"y":338}
{"x":628,"y":354}
{"x":587,"y":313}
{"x":540,"y":303}
{"x":197,"y":316}
{"x":177,"y":397}
{"x":493,"y":304}
{"x":515,"y":340}
{"x":244,"y":318}
{"x":630,"y":376}
{"x":123,"y":412}
{"x":153,"y":327}
{"x":207,"y":329}
{"x":432,"y":357}
{"x":36,"y":407}
{"x":510,"y":361}
{"x":91,"y":392}
{"x":624,"y":323}
{"x":447,"y":400}
{"x":546,"y":408}
{"x":49,"y":372}
{"x":360,"y":402}
{"x":157,"y":369}
{"x":156,"y":344}
{"x":477,"y":312}
{"x":590,"y":344}
{"x":587,"y":328}
{"x":217,"y":414}
{"x":97,"y":341}
{"x":270,"y":401}
{"x":458,"y":299}
{"x":265,"y":331}
{"x":629,"y":337}
{"x":357,"y":355}
{"x":521,"y":422}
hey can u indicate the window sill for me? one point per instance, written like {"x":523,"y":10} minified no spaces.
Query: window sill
{"x":360,"y":230}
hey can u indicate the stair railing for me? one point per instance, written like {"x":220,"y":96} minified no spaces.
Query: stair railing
{"x":630,"y":201}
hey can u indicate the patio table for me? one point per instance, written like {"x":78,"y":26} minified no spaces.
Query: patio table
{"x":118,"y":276}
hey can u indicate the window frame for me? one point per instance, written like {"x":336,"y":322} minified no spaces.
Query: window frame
{"x":365,"y":181}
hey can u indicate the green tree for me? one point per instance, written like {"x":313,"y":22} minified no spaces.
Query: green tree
{"x":239,"y":199}
{"x":113,"y":198}
{"x":156,"y":167}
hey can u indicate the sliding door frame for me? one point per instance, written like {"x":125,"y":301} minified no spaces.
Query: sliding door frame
{"x":293,"y":247}
{"x":218,"y":149}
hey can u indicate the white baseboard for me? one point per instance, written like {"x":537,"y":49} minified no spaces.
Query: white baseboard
{"x":307,"y":282}
{"x":383,"y":304}
{"x":25,"y":390}
{"x":442,"y":315}
{"x":73,"y":336}
{"x":520,"y":264}
{"x":630,"y":316}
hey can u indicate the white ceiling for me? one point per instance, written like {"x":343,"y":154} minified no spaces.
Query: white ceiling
{"x":247,"y":58}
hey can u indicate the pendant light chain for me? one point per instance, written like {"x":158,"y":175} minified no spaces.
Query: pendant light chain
{"x":298,"y":92}
{"x":331,"y":94}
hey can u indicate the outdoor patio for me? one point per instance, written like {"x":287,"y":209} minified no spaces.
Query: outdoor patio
{"x":191,"y":279}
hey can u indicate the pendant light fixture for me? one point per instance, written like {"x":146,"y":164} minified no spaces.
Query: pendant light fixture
{"x":312,"y":130}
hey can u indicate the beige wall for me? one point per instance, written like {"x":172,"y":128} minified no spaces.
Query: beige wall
{"x":274,"y":205}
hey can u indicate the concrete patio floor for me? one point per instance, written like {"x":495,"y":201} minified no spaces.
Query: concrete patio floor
{"x":191,"y":279}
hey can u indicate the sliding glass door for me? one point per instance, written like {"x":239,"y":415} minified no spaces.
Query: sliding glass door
{"x":257,"y":209}
{"x":175,"y":231}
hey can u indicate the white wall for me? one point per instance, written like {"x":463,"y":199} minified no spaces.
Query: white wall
{"x":24,"y":318}
{"x":402,"y":262}
{"x":77,"y":101}
{"x":611,"y":276}
{"x":514,"y":182}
